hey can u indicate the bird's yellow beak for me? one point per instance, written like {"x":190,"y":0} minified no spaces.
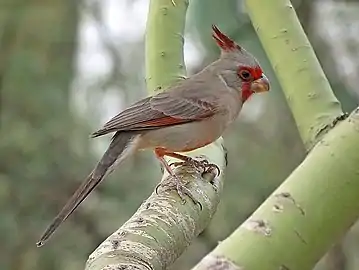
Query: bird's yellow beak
{"x":260,"y":85}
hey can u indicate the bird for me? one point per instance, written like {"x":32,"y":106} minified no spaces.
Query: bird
{"x":188,"y":115}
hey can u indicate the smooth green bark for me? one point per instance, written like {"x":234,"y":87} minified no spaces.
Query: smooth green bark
{"x":164,"y":43}
{"x":304,"y":83}
{"x":157,"y":234}
{"x":298,"y":223}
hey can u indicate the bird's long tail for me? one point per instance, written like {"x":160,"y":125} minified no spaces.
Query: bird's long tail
{"x":121,"y":146}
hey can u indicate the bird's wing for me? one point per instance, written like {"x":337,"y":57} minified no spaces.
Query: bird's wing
{"x":164,"y":109}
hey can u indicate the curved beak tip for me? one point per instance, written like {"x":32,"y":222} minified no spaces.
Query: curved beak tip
{"x":261,"y":85}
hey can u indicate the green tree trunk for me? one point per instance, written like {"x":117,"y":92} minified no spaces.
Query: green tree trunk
{"x":157,"y":234}
{"x":318,"y":202}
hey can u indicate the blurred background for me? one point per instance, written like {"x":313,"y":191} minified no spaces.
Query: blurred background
{"x":67,"y":66}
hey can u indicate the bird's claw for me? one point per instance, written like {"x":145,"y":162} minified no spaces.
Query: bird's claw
{"x":203,"y":164}
{"x":180,"y":188}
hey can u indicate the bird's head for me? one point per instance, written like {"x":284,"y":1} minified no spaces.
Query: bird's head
{"x":243,"y":64}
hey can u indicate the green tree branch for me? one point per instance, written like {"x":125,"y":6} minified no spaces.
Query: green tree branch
{"x":163,"y":226}
{"x":304,"y":83}
{"x":315,"y":205}
{"x":164,"y":44}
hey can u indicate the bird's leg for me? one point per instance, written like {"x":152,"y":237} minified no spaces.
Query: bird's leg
{"x":204,"y":164}
{"x":182,"y":190}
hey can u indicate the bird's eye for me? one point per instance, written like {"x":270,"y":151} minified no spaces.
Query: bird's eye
{"x":245,"y":75}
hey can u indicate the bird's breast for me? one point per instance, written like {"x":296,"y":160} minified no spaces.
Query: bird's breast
{"x":185,"y":137}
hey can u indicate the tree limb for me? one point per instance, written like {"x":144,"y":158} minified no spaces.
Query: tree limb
{"x":312,"y":209}
{"x":304,"y":83}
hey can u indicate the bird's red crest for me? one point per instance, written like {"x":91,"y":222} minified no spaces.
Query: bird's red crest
{"x":224,"y":42}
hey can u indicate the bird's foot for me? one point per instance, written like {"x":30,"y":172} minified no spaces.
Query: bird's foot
{"x":201,"y":164}
{"x":173,"y":182}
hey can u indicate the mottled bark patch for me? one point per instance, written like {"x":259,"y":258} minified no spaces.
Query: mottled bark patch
{"x":212,"y":262}
{"x":258,"y":226}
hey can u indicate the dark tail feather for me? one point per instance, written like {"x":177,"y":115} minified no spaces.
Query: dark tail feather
{"x":118,"y":150}
{"x":102,"y":132}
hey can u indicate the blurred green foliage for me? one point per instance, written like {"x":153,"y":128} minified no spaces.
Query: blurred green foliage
{"x":45,"y":150}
